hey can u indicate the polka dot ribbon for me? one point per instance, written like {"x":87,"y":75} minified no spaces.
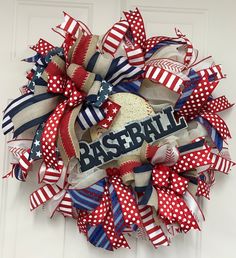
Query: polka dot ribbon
{"x":42,"y":47}
{"x":202,"y":107}
{"x":116,"y":211}
{"x":170,"y":188}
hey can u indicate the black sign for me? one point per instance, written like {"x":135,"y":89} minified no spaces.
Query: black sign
{"x":115,"y":144}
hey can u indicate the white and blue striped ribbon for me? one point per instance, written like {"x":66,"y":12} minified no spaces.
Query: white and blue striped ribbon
{"x":24,"y":104}
{"x":120,"y":70}
{"x":89,"y":117}
{"x":7,"y":124}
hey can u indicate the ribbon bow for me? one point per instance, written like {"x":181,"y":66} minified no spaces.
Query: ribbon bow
{"x":58,"y":84}
{"x":73,"y":81}
{"x":159,"y":186}
{"x":104,"y":210}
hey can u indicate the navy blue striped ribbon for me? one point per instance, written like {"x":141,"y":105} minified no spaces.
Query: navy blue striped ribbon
{"x":7,"y":124}
{"x":20,"y":104}
{"x":18,"y":173}
{"x":212,"y":132}
{"x":90,"y":116}
{"x":32,"y":59}
{"x":132,"y":87}
{"x":188,"y":90}
{"x":120,"y":70}
{"x":117,"y":211}
{"x":28,"y":102}
{"x":89,"y":198}
{"x":146,"y":189}
{"x":98,"y":237}
{"x":159,"y":45}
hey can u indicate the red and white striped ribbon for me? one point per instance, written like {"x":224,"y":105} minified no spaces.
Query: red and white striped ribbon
{"x":42,"y":195}
{"x":50,"y":175}
{"x":154,"y":232}
{"x":135,"y":56}
{"x":71,"y":26}
{"x":65,"y":206}
{"x":164,"y":77}
{"x":24,"y":161}
{"x":215,"y":69}
{"x":114,"y":37}
{"x":189,"y":47}
{"x":220,"y":163}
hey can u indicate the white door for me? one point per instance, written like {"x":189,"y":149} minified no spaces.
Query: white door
{"x":211,"y":27}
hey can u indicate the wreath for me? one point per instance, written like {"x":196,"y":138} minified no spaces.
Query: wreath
{"x":126,"y":131}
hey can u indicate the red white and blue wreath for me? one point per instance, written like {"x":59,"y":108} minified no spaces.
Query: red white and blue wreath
{"x":126,"y":129}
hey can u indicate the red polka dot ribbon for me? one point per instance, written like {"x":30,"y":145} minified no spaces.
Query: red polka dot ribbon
{"x":172,"y":208}
{"x":42,"y":47}
{"x":136,"y":24}
{"x":197,"y":99}
{"x":203,"y":189}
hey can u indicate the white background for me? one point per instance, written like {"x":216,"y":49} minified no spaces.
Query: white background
{"x":210,"y":24}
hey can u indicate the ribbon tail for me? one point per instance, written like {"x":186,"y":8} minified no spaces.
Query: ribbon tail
{"x":154,"y":232}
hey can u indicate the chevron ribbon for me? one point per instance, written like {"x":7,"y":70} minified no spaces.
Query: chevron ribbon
{"x":17,"y":152}
{"x":167,"y":64}
{"x":164,"y":77}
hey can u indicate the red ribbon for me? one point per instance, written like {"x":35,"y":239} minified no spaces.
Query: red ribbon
{"x":172,"y":208}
